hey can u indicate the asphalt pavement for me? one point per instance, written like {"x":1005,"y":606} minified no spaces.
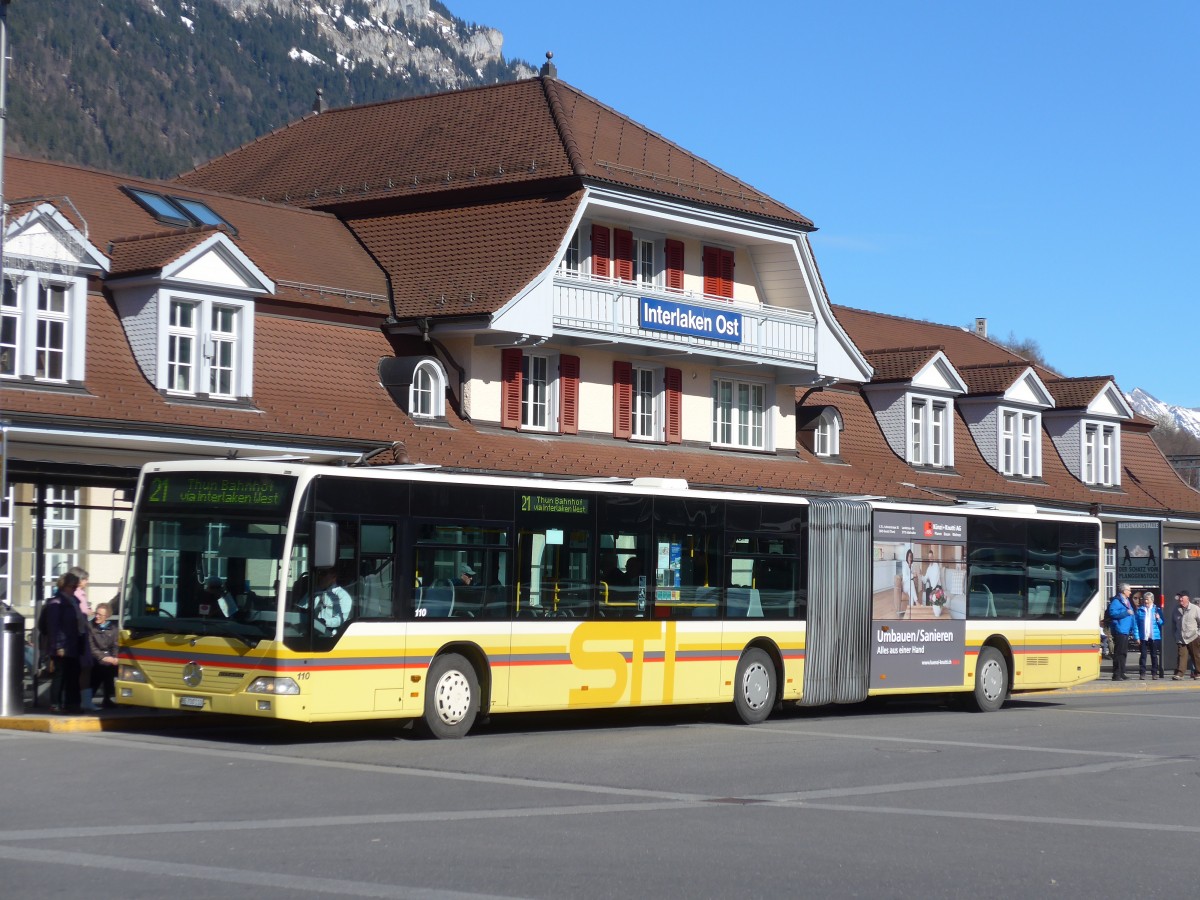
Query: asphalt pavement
{"x":133,"y":718}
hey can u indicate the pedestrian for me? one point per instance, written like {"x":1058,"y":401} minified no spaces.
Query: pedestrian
{"x":102,"y":640}
{"x":1187,"y":636}
{"x":1122,"y":624}
{"x":1149,"y":630}
{"x":65,"y":642}
{"x":81,"y":591}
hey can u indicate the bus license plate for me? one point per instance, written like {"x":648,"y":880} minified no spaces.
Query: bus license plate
{"x":192,"y":702}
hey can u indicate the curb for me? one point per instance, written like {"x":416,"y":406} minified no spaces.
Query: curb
{"x":148,"y":720}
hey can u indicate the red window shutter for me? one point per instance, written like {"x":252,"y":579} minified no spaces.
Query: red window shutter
{"x":600,"y":251}
{"x":568,"y":393}
{"x":727,"y":273}
{"x":718,"y":272}
{"x":623,"y":254}
{"x":674,"y":417}
{"x":510,"y":392}
{"x":622,"y":399}
{"x":674,"y":254}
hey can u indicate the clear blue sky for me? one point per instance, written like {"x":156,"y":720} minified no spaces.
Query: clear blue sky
{"x":1034,"y":163}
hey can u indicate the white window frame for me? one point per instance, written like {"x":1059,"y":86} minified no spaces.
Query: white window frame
{"x":6,"y":546}
{"x":645,"y":261}
{"x":539,"y":395}
{"x":1100,"y":454}
{"x":572,"y":261}
{"x":183,"y":345}
{"x":10,"y":329}
{"x":427,"y":393}
{"x":1020,"y":446}
{"x":60,"y":532}
{"x":220,"y":349}
{"x":646,"y":404}
{"x":739,"y":426}
{"x":929,"y":426}
{"x":212,"y":348}
{"x":827,"y":435}
{"x":37,"y":334}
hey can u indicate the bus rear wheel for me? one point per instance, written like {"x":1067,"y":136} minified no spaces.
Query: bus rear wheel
{"x":451,"y":697}
{"x":754,"y":688}
{"x":991,"y":680}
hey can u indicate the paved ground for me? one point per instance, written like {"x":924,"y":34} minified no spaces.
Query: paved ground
{"x":1071,"y":794}
{"x":38,"y":718}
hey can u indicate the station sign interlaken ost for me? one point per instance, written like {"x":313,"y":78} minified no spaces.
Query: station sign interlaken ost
{"x":685,"y":318}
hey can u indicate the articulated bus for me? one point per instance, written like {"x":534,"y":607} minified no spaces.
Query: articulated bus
{"x":317,"y":593}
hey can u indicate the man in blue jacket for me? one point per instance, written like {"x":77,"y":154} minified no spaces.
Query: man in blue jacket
{"x":1149,"y":631}
{"x":1122,"y":624}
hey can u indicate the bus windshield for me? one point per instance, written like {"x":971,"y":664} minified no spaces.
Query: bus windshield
{"x":207,"y":555}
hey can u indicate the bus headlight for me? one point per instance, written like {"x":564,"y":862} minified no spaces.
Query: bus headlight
{"x":270,"y":685}
{"x":131,"y":673}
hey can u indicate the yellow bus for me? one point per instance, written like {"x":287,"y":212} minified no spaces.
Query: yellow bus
{"x":314,"y":593}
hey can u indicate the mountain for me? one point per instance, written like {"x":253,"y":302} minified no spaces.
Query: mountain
{"x":156,"y":87}
{"x":1179,"y":417}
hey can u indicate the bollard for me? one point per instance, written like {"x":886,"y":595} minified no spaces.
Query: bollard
{"x":12,"y":664}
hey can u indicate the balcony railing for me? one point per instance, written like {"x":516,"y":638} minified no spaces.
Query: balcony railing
{"x":591,"y":307}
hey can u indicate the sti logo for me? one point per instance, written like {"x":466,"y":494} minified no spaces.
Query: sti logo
{"x":928,"y":529}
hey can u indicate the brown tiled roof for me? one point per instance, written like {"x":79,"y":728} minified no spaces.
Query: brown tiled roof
{"x":294,"y":246}
{"x":466,"y":260}
{"x":872,"y":331}
{"x":150,"y":253}
{"x":992,"y":379}
{"x":1075,"y":393}
{"x":901,"y":364}
{"x":510,"y":135}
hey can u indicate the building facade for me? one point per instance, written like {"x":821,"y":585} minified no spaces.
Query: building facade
{"x":514,"y":278}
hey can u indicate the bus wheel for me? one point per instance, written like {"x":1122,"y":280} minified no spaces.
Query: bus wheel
{"x":991,"y":680}
{"x":451,"y":697}
{"x":754,"y":687}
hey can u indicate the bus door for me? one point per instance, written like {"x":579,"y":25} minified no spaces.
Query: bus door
{"x":838,"y":639}
{"x":555,"y":593}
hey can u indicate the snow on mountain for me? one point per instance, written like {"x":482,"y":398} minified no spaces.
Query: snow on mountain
{"x":1154,"y":409}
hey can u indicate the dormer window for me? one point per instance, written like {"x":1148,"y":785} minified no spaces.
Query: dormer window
{"x":820,"y":430}
{"x":827,"y":436}
{"x":205,"y":352}
{"x":41,"y":325}
{"x":1020,"y":447}
{"x":1100,"y":453}
{"x":930,"y":432}
{"x":427,"y":395}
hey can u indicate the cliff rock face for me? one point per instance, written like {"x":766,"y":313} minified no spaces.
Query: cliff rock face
{"x":155,"y":87}
{"x":391,"y":35}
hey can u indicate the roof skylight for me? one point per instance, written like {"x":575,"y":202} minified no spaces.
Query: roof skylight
{"x":182,"y":211}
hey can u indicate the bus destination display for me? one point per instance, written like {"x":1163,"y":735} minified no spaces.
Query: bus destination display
{"x":248,"y":492}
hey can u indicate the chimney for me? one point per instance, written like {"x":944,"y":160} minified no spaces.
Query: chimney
{"x":981,"y":327}
{"x":549,"y":70}
{"x":319,"y":103}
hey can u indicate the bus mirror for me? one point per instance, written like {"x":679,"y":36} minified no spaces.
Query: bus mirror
{"x":325,"y":546}
{"x":116,"y":531}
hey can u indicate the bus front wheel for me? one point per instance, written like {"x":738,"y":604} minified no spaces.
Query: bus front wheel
{"x":754,"y":689}
{"x":991,"y":680}
{"x":451,"y":697}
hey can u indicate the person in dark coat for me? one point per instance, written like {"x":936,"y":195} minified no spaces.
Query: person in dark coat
{"x":66,"y":643}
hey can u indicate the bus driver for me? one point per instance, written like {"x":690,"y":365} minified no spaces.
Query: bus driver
{"x":330,"y":602}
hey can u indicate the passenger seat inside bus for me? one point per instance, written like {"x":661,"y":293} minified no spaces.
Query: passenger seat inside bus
{"x":438,"y":599}
{"x":743,"y":603}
